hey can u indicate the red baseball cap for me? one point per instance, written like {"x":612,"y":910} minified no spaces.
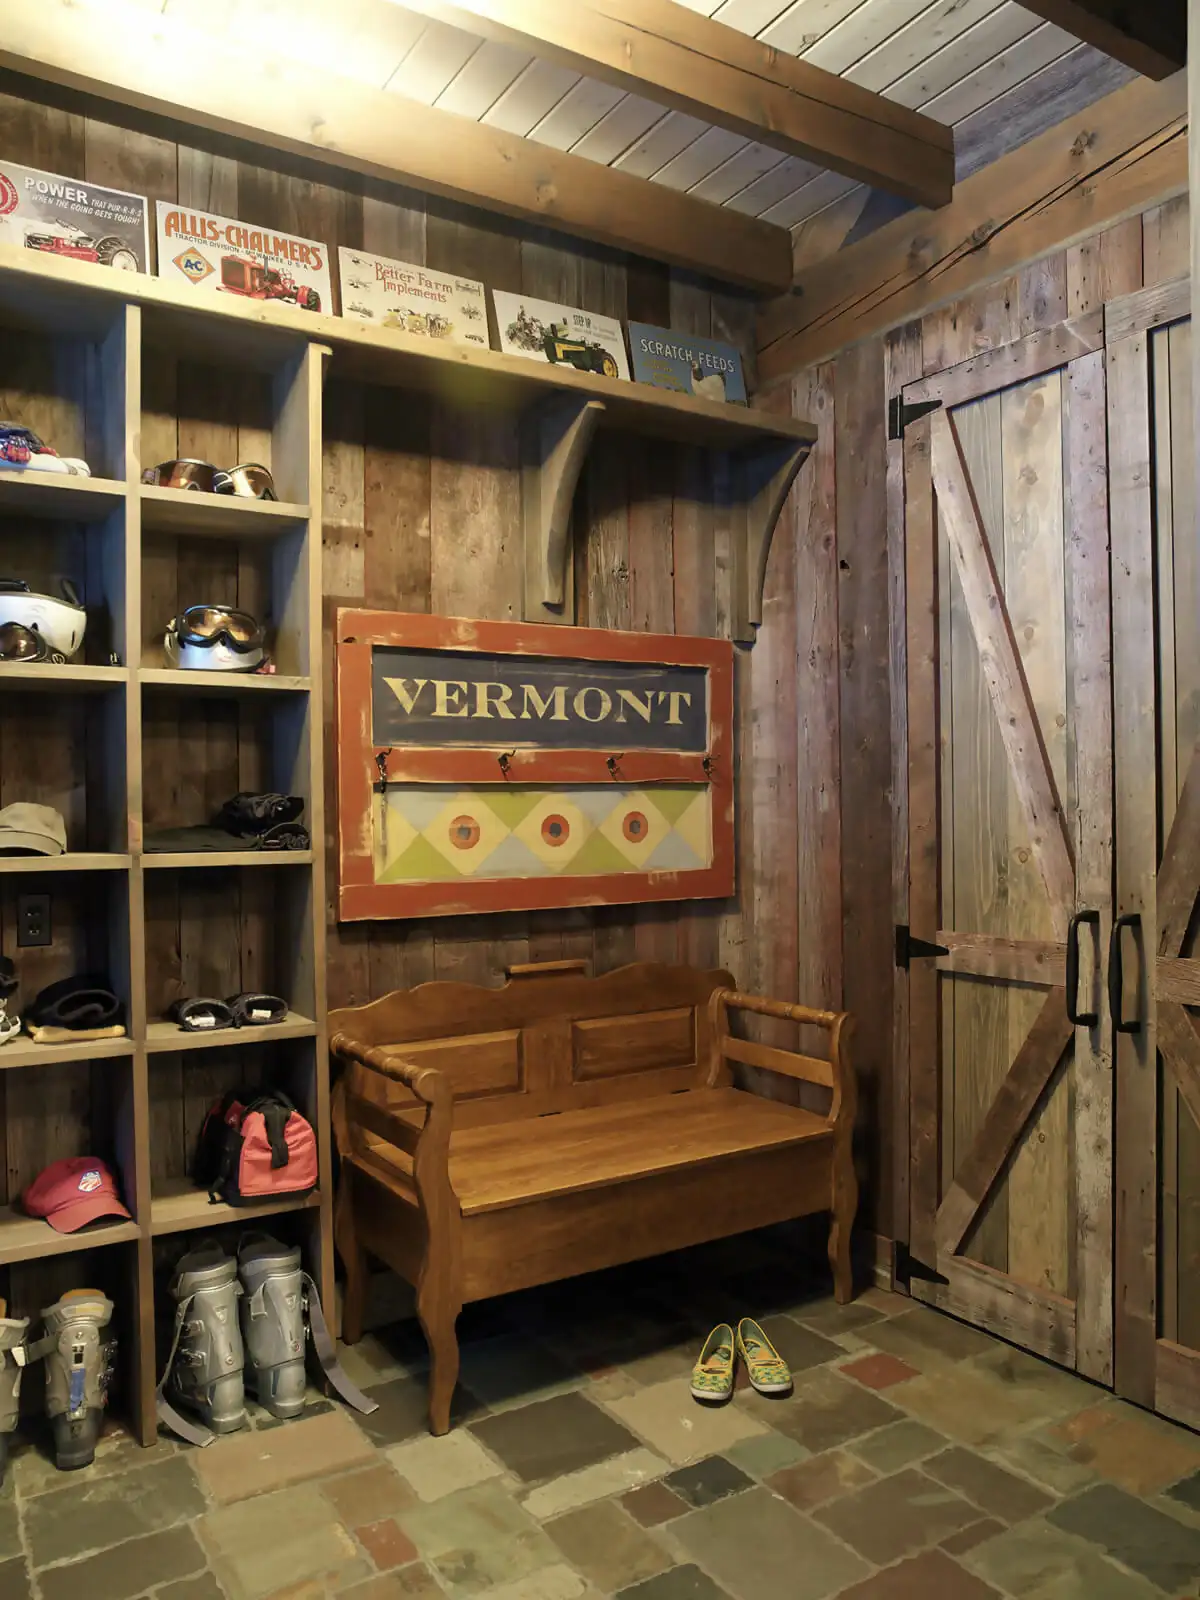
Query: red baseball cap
{"x":72,"y":1193}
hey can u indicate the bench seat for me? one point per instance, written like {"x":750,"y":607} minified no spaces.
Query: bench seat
{"x":496,"y":1139}
{"x":516,"y":1163}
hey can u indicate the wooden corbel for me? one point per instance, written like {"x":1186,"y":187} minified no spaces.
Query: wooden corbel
{"x":768,"y":471}
{"x":554,"y":446}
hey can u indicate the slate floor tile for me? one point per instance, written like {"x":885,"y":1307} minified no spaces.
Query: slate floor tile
{"x":128,"y":1569}
{"x":680,"y":1428}
{"x":829,"y":1318}
{"x":407,"y":1583}
{"x":515,"y":1370}
{"x":768,"y":1453}
{"x":898,"y":1445}
{"x":970,"y":1404}
{"x":823,"y":1411}
{"x":800,"y":1347}
{"x":438,"y":1466}
{"x":708,"y":1480}
{"x":556,"y":1436}
{"x":926,"y":1338}
{"x":1138,"y":1452}
{"x":653,"y":1504}
{"x":245,"y":1464}
{"x":1136,"y":1534}
{"x":967,"y":1538}
{"x":14,"y":1580}
{"x":680,"y":1583}
{"x":1035,"y":1561}
{"x":992,"y":1489}
{"x":478,"y":1539}
{"x":931,"y":1576}
{"x":558,"y":1582}
{"x":614,"y":1476}
{"x":10,"y":1532}
{"x":878,"y":1371}
{"x":608,"y":1546}
{"x":1035,"y":1458}
{"x":758,"y":1548}
{"x":404,"y":1410}
{"x":202,"y":1587}
{"x":369,"y":1495}
{"x":811,"y":1483}
{"x":290,"y":1537}
{"x":103,"y":1511}
{"x":1187,"y":1492}
{"x":896,"y":1516}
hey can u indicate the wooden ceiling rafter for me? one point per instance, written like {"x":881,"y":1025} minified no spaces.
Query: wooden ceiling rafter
{"x":1148,"y":35}
{"x":682,"y":60}
{"x":165,"y":69}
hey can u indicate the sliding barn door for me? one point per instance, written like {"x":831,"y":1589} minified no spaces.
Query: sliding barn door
{"x":1155,"y":962}
{"x":1010,"y":799}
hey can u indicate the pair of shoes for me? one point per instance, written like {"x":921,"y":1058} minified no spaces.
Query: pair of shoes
{"x":78,"y":1365}
{"x":712,"y":1376}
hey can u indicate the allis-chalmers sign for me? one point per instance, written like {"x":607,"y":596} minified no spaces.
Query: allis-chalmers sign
{"x":446,"y":699}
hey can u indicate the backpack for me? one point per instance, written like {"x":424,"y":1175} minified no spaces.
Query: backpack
{"x":254,"y":1145}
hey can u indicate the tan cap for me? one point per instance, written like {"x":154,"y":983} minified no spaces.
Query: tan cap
{"x":39,"y":829}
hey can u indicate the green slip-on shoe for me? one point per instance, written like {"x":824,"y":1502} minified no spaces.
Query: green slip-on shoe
{"x":712,"y":1376}
{"x":765,"y":1367}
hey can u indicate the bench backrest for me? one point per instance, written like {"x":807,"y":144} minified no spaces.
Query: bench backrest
{"x":549,"y":1040}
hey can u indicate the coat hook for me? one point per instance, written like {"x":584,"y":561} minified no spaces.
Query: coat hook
{"x":614,"y":764}
{"x":708,"y":764}
{"x":505,"y":761}
{"x":381,"y":761}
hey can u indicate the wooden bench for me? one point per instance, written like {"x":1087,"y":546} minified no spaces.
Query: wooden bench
{"x":492,"y":1139}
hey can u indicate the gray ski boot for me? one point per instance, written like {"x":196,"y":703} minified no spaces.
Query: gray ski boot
{"x":78,"y":1364}
{"x":204,"y":1370}
{"x":12,"y":1363}
{"x":273,"y":1322}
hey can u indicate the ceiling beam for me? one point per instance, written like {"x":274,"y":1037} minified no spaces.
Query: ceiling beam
{"x":675,"y":56}
{"x":1148,"y":35}
{"x":167,"y":69}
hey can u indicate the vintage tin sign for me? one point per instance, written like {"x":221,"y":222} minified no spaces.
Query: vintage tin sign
{"x":72,"y":220}
{"x":543,"y":330}
{"x":220,"y":255}
{"x":707,"y":368}
{"x":412,"y":299}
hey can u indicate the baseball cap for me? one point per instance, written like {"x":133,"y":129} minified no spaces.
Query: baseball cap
{"x":39,"y":829}
{"x":70,"y":1194}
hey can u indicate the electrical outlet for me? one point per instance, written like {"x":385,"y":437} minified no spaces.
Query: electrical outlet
{"x":33,"y":919}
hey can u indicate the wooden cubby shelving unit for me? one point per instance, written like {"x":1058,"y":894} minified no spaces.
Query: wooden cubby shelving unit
{"x":103,"y":328}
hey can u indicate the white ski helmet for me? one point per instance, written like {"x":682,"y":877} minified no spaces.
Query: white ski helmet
{"x":61,"y":622}
{"x":214,"y":638}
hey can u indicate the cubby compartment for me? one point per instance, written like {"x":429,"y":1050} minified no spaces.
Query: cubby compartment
{"x":63,"y":376}
{"x":63,"y":745}
{"x":89,"y":921}
{"x":221,"y":931}
{"x":56,"y":1111}
{"x":184,"y":1086}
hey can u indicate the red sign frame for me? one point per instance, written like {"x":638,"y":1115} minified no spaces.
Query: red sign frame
{"x":360,"y":897}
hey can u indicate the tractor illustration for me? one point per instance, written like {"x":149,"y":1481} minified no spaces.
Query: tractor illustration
{"x":257,"y":281}
{"x":61,"y":239}
{"x":578,"y":353}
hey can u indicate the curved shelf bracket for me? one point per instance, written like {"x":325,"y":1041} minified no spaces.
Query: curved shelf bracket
{"x":554,"y":445}
{"x":769,"y":470}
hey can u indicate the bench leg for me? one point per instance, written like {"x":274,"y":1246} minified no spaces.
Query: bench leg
{"x":845,"y":1203}
{"x":354,"y":1259}
{"x":438,"y":1315}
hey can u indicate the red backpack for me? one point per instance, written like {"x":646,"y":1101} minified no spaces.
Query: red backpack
{"x":255,"y":1145}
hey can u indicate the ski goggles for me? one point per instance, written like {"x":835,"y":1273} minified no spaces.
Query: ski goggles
{"x":210,"y":625}
{"x":183,"y":474}
{"x":19,"y":643}
{"x":251,"y":480}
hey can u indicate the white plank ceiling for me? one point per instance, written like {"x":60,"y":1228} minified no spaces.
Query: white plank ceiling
{"x":990,"y":68}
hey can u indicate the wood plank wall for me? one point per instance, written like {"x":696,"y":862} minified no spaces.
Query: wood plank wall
{"x":849,"y":606}
{"x":421,"y":512}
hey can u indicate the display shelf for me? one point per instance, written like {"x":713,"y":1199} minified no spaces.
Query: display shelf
{"x":24,"y":1052}
{"x":25,"y":1238}
{"x":167,"y":1036}
{"x":179,"y":1207}
{"x":184,"y":682}
{"x":54,"y":494}
{"x":226,"y":858}
{"x":72,"y":861}
{"x":45,"y":677}
{"x":216,"y":516}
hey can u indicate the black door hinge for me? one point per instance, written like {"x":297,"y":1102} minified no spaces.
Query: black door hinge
{"x":908,"y":946}
{"x":906,"y":1267}
{"x":900,"y":415}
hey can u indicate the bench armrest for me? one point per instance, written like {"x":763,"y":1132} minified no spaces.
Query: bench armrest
{"x":836,"y":1073}
{"x":430,"y":1148}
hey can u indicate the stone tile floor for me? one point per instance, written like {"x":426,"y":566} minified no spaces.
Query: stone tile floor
{"x":917,"y":1459}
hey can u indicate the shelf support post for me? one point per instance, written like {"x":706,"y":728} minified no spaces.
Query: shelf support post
{"x":556,"y":436}
{"x":768,"y":471}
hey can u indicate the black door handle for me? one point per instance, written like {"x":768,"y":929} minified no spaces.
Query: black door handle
{"x":1116,"y":972}
{"x":1080,"y":1019}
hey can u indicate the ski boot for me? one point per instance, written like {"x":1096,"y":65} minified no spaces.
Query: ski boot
{"x":273,"y":1322}
{"x":205,"y":1369}
{"x":12,"y":1362}
{"x":78,"y":1364}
